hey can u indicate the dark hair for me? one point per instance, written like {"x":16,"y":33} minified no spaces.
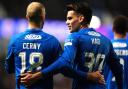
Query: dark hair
{"x":81,"y":8}
{"x":34,"y":12}
{"x":120,"y":24}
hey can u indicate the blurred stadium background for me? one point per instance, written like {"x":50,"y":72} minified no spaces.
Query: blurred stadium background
{"x":12,"y":21}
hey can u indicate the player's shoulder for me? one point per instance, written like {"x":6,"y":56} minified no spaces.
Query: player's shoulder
{"x":104,"y":38}
{"x":16,"y":37}
{"x":48,"y":35}
{"x":72,"y":38}
{"x":73,"y":35}
{"x":51,"y":37}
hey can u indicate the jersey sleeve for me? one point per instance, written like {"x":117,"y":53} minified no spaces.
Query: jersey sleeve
{"x":56,"y":49}
{"x":9,"y":61}
{"x":66,"y":61}
{"x":116,"y":67}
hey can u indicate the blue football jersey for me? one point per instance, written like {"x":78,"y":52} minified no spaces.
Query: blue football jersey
{"x":121,"y":49}
{"x":87,"y":51}
{"x":32,"y":50}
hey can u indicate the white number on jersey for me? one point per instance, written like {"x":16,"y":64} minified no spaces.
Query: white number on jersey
{"x":33,"y":64}
{"x":92,"y":61}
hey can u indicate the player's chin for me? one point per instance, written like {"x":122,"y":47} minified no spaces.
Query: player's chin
{"x":70,"y":30}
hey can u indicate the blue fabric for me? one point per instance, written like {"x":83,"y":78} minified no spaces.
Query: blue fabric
{"x":121,"y":49}
{"x":87,"y":51}
{"x":32,"y":50}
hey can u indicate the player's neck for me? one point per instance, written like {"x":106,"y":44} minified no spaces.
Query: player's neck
{"x":83,"y":26}
{"x":118,"y":36}
{"x":33,"y":25}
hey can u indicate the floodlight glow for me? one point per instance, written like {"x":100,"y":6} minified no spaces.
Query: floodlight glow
{"x":95,"y":22}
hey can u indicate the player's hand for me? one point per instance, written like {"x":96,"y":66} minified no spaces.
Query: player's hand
{"x":96,"y":77}
{"x":29,"y":78}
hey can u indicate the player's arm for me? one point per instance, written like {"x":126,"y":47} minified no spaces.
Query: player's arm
{"x":62,"y":65}
{"x":116,"y":68}
{"x":9,"y":61}
{"x":65,"y":62}
{"x":65,"y":65}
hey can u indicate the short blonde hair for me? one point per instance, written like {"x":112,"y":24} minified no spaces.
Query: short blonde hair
{"x":34,"y":11}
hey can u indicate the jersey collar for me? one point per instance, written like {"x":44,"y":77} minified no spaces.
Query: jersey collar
{"x":86,"y":30}
{"x":33,"y":30}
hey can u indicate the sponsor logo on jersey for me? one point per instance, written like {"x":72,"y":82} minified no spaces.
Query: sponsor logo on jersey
{"x":68,"y":43}
{"x":93,"y":33}
{"x":33,"y":37}
{"x":118,"y":44}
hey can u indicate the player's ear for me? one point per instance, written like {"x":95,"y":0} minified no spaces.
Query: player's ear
{"x":81,"y":18}
{"x":27,"y":17}
{"x":43,"y":17}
